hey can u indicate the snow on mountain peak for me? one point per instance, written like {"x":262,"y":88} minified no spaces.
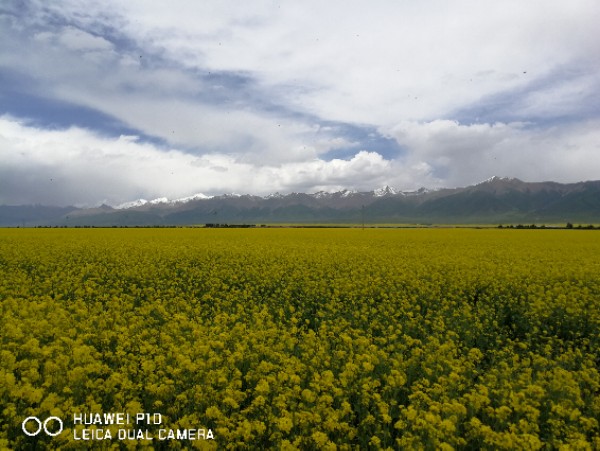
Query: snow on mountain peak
{"x":327,"y":194}
{"x":386,"y":190}
{"x":131,"y":204}
{"x":197,"y":196}
{"x":321,"y":194}
{"x":160,"y":200}
{"x":275,"y":195}
{"x":494,"y":178}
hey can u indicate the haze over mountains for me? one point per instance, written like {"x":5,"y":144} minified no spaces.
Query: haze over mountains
{"x":494,"y":201}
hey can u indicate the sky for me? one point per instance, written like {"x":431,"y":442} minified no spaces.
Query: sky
{"x":110,"y":101}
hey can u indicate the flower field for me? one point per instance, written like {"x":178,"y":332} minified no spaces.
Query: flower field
{"x":303,"y":338}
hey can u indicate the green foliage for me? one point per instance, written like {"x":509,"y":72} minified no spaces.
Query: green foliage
{"x":306,"y":339}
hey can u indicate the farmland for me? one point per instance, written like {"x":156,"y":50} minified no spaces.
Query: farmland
{"x":303,"y":338}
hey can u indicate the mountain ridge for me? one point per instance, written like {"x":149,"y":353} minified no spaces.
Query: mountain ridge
{"x":495,"y":200}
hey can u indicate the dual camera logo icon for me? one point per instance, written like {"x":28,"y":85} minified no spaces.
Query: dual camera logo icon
{"x":42,"y":425}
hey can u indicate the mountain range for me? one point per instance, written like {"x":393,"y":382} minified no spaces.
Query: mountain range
{"x":498,"y":200}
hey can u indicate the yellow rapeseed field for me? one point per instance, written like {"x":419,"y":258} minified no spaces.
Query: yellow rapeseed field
{"x":301,"y":338}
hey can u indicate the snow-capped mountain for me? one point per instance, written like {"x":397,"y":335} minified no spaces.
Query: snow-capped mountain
{"x":497,"y":199}
{"x":492,"y":179}
{"x":131,"y":204}
{"x":345,"y":193}
{"x":385,"y":191}
{"x":160,"y":200}
{"x":197,"y":196}
{"x":274,"y":196}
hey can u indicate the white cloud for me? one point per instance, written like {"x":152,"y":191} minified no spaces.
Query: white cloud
{"x":76,"y":39}
{"x":163,"y":101}
{"x":366,"y":62}
{"x":375,"y":62}
{"x":76,"y":166}
{"x":362,"y":171}
{"x":254,"y":96}
{"x":453,"y":154}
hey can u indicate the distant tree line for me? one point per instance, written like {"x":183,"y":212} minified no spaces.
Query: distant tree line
{"x":235,"y":226}
{"x":534,"y":226}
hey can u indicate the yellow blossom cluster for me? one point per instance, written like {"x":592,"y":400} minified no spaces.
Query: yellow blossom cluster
{"x":305,"y":338}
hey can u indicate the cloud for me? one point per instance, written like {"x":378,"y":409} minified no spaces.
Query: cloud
{"x":76,"y":166}
{"x":566,"y":94}
{"x":76,"y":39}
{"x":203,"y":112}
{"x":276,"y":97}
{"x":361,"y":172}
{"x":375,"y":62}
{"x":455,"y":154}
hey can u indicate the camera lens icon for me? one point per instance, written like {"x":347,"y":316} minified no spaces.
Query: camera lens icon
{"x":41,"y":426}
